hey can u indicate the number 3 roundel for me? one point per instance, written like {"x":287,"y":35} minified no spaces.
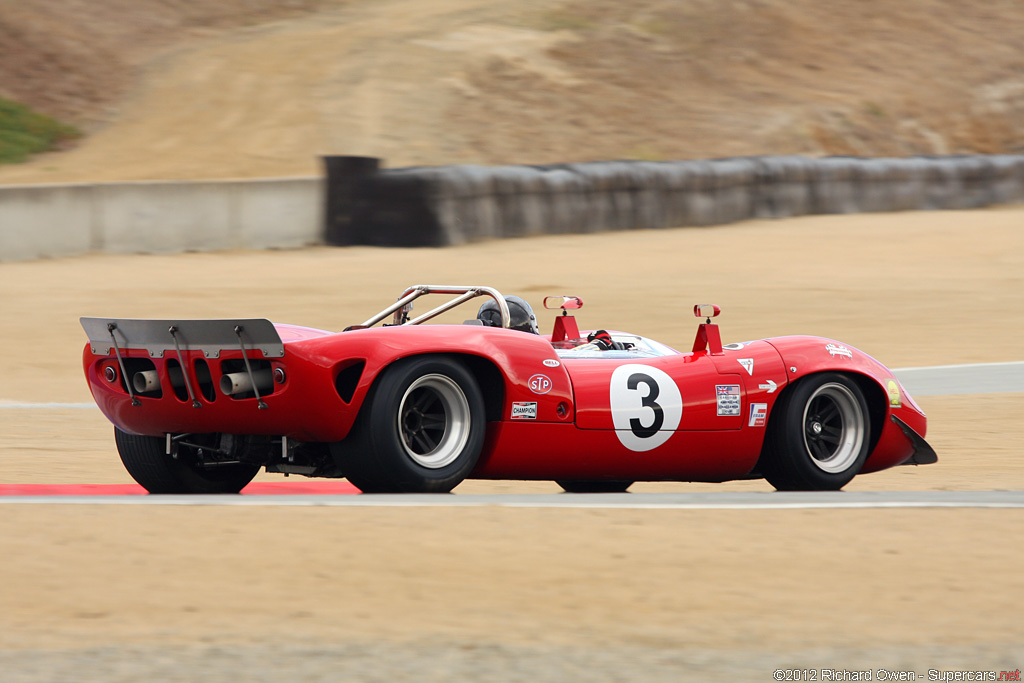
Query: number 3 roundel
{"x":646,"y":406}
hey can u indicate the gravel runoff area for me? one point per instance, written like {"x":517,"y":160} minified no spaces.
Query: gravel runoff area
{"x":113,"y":593}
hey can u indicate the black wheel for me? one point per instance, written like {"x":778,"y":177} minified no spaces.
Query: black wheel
{"x":574,"y":486}
{"x":818,"y":436}
{"x":420,"y":429}
{"x":146,"y":459}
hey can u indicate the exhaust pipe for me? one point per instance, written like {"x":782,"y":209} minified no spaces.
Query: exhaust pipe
{"x":239,"y":383}
{"x":146,"y":381}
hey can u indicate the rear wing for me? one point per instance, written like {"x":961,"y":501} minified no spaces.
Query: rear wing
{"x":159,"y":336}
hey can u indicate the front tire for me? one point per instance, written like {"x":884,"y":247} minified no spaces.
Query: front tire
{"x":420,"y":430}
{"x":146,"y":459}
{"x":818,"y":436}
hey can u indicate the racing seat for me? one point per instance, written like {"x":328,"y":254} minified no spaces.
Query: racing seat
{"x":519,"y":311}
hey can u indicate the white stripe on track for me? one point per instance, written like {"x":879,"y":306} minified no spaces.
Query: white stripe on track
{"x":45,"y":406}
{"x":640,"y":501}
{"x":957,"y":367}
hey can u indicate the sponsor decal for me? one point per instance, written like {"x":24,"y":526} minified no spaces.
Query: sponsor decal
{"x":735,"y":346}
{"x":769,"y":385}
{"x":758,"y":414}
{"x":838,"y":350}
{"x":540,"y":384}
{"x":748,"y":365}
{"x":893,"y":388}
{"x":646,"y":406}
{"x":728,"y":396}
{"x":524,"y":410}
{"x":551,"y":363}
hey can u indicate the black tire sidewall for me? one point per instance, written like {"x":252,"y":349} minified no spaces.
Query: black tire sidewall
{"x":789,"y":466}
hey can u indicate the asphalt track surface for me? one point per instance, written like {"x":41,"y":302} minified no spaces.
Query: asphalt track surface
{"x":635,"y":501}
{"x":925,"y":381}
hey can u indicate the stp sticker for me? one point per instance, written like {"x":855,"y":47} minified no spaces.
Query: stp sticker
{"x":551,"y":363}
{"x":540,"y":384}
{"x":748,"y":365}
{"x":646,"y":406}
{"x":838,"y":350}
{"x":524,"y":410}
{"x":728,"y":396}
{"x":758,"y":414}
{"x":894,"y":393}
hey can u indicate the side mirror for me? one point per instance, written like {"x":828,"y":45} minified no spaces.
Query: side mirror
{"x":708,"y":337}
{"x":706,"y":311}
{"x":565,"y":303}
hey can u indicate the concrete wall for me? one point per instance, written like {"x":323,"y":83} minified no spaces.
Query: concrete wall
{"x":39,"y":221}
{"x":437,"y":206}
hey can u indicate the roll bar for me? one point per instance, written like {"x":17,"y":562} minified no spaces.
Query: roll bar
{"x":464,"y":293}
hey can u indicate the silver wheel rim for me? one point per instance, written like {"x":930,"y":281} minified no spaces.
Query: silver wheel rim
{"x":833,"y":428}
{"x":433,"y":421}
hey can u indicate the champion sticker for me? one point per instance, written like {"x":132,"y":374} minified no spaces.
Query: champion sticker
{"x":758,"y":414}
{"x":838,"y":350}
{"x":748,"y":365}
{"x":894,"y":394}
{"x":551,"y":363}
{"x":523,"y":410}
{"x":539,"y":384}
{"x":728,"y":396}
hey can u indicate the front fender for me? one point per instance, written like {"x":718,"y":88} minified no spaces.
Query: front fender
{"x":887,"y":398}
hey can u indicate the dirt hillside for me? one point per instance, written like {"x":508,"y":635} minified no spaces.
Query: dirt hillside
{"x":244,"y":89}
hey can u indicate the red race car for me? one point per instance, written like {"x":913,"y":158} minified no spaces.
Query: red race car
{"x":200,"y":405}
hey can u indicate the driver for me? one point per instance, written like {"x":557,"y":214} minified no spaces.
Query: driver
{"x":519,"y":311}
{"x":524,"y":320}
{"x":602,"y":340}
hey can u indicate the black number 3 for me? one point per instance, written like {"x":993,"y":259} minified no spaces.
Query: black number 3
{"x":648,"y":401}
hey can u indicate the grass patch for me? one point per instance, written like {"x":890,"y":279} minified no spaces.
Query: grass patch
{"x":874,"y":109}
{"x":24,"y":132}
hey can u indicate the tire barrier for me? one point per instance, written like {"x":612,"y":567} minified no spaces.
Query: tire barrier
{"x":446,"y":205}
{"x":443,"y":205}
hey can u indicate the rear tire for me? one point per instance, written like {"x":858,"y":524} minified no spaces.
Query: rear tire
{"x":818,"y":435}
{"x":420,"y":430}
{"x":574,"y":486}
{"x":146,"y":459}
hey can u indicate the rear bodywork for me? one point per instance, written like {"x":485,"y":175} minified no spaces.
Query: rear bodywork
{"x":556,"y":407}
